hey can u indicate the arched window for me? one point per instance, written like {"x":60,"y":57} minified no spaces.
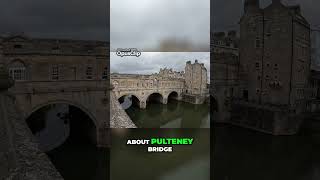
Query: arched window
{"x":17,"y":71}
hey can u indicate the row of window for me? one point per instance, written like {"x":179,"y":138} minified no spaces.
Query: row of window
{"x":276,"y":66}
{"x":267,"y":77}
{"x":89,"y":73}
{"x":19,"y":73}
{"x":150,"y":84}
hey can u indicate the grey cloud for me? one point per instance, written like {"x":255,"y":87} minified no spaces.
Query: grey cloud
{"x":76,"y":19}
{"x":145,"y":25}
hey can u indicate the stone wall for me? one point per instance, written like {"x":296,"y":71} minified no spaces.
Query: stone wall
{"x":20,"y":156}
{"x":119,"y":118}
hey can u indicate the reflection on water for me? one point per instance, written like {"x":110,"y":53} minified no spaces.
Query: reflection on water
{"x":243,"y":154}
{"x":175,"y":114}
{"x":80,"y":161}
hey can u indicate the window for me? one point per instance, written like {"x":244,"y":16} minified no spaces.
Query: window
{"x":267,"y":77}
{"x":245,"y":94}
{"x":105,"y":73}
{"x":257,"y":65}
{"x":55,"y":72}
{"x":17,"y":46}
{"x":258,"y":42}
{"x":18,"y":73}
{"x":89,"y":72}
{"x":258,"y":91}
{"x":276,"y":67}
{"x":17,"y":70}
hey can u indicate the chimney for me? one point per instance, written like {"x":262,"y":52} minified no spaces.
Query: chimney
{"x":251,"y":5}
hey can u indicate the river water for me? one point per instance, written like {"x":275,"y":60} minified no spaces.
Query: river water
{"x":174,"y":114}
{"x":240,"y":153}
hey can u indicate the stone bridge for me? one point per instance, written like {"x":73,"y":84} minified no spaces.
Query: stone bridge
{"x":144,"y":87}
{"x":89,"y":96}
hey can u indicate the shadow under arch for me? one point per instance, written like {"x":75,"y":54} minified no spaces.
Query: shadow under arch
{"x":54,"y":123}
{"x":78,"y":149}
{"x":127,"y":100}
{"x":173,"y":95}
{"x":154,"y":98}
{"x":81,"y":107}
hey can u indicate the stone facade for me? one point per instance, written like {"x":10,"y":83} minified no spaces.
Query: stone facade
{"x":273,"y":89}
{"x":19,"y":154}
{"x":196,"y":78}
{"x":142,"y":86}
{"x":315,"y":49}
{"x":222,"y":43}
{"x":190,"y":86}
{"x":51,"y":71}
{"x":224,"y":82}
{"x":169,"y":73}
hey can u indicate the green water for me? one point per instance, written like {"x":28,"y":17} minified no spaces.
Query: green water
{"x":175,"y":114}
{"x":240,"y":153}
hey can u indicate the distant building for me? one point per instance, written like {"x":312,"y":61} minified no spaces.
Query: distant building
{"x":165,"y":72}
{"x":196,"y":78}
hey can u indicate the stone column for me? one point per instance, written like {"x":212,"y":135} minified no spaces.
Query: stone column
{"x":164,"y":100}
{"x":143,"y":105}
{"x":103,"y":137}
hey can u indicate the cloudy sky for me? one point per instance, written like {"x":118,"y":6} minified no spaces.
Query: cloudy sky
{"x":151,"y":62}
{"x":226,"y":14}
{"x":150,"y":24}
{"x":76,"y":19}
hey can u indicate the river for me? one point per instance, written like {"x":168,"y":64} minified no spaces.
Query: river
{"x":240,"y":153}
{"x":174,"y":114}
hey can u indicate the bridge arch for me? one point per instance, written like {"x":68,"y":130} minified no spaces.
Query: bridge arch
{"x":173,"y":95}
{"x":156,"y":97}
{"x":55,"y":122}
{"x":134,"y":99}
{"x":78,"y":105}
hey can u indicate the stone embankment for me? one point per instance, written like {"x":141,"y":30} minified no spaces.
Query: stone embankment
{"x":119,"y":118}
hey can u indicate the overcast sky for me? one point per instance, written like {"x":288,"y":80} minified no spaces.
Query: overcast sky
{"x":151,"y":62}
{"x":75,"y":19}
{"x":225,"y":15}
{"x":148,"y":24}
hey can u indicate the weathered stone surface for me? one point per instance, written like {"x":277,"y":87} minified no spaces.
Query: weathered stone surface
{"x":192,"y":82}
{"x":20,"y":157}
{"x":53,"y":71}
{"x":119,"y":118}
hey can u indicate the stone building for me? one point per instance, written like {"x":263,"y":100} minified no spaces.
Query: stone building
{"x":274,"y":68}
{"x":59,"y":71}
{"x":190,"y":86}
{"x":224,"y":82}
{"x":29,"y":59}
{"x":315,"y":49}
{"x":19,"y":153}
{"x":196,"y":78}
{"x":165,"y":72}
{"x":224,"y":43}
